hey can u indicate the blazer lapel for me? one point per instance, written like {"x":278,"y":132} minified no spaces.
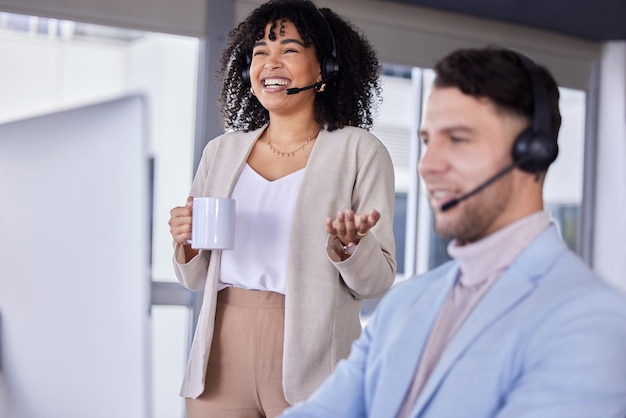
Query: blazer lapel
{"x":509,"y":289}
{"x":405,"y":351}
{"x":238,"y":153}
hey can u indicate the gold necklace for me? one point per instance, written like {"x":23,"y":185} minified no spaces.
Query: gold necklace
{"x":280,"y":153}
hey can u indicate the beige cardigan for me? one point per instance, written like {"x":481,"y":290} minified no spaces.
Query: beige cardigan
{"x":347,"y":168}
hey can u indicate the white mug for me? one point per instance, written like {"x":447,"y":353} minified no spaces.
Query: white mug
{"x":213,"y":223}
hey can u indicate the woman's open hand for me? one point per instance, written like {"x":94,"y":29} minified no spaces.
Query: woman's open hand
{"x":350,"y":227}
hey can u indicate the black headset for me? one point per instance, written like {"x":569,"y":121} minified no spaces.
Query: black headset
{"x":329,"y":65}
{"x":536,"y":148}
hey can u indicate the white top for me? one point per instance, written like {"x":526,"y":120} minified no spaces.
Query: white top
{"x":263,"y":218}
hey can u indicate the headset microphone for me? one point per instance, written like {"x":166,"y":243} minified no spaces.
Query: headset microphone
{"x":452,"y":203}
{"x":295,"y":90}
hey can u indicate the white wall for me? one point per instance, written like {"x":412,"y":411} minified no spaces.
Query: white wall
{"x":564,"y":182}
{"x":610,"y":217}
{"x":39,"y":76}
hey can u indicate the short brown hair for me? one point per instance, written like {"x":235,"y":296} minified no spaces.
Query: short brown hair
{"x":499,"y":75}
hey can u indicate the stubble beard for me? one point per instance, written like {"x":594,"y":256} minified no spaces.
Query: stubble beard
{"x":478,"y":214}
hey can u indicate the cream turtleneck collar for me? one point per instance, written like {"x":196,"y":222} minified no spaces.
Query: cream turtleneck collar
{"x":494,"y":253}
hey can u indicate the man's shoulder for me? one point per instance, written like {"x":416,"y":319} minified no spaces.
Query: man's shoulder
{"x":415,"y":285}
{"x":559,"y":268}
{"x":564,"y":287}
{"x":572,"y":282}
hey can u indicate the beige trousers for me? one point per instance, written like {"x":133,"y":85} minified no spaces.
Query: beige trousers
{"x":244,"y":374}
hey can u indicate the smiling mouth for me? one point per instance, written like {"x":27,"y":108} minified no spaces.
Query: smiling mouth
{"x":275,"y":82}
{"x":441,"y":197}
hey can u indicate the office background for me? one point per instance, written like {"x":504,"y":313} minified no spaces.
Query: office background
{"x":65,"y":54}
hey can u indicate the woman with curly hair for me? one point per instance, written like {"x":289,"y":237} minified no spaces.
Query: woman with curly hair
{"x":314,"y":218}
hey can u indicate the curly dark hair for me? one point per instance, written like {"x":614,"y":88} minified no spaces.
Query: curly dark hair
{"x":350,"y":97}
{"x":499,"y":75}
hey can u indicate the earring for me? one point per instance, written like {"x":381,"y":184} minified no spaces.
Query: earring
{"x":320,"y":88}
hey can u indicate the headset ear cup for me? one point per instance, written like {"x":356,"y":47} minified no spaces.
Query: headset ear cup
{"x":245,"y":75}
{"x":536,"y":148}
{"x":330,"y":64}
{"x":330,"y":67}
{"x":534,"y":152}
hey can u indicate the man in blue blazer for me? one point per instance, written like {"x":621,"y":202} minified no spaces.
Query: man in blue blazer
{"x":516,"y":325}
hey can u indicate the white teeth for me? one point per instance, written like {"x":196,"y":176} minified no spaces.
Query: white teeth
{"x":441,"y":194}
{"x":275,"y":82}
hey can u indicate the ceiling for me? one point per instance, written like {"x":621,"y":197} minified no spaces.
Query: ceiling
{"x":593,"y":20}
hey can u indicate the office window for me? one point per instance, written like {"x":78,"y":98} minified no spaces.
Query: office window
{"x":396,"y":126}
{"x":424,"y":249}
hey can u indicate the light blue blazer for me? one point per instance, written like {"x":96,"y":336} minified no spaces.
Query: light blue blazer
{"x":548,"y":340}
